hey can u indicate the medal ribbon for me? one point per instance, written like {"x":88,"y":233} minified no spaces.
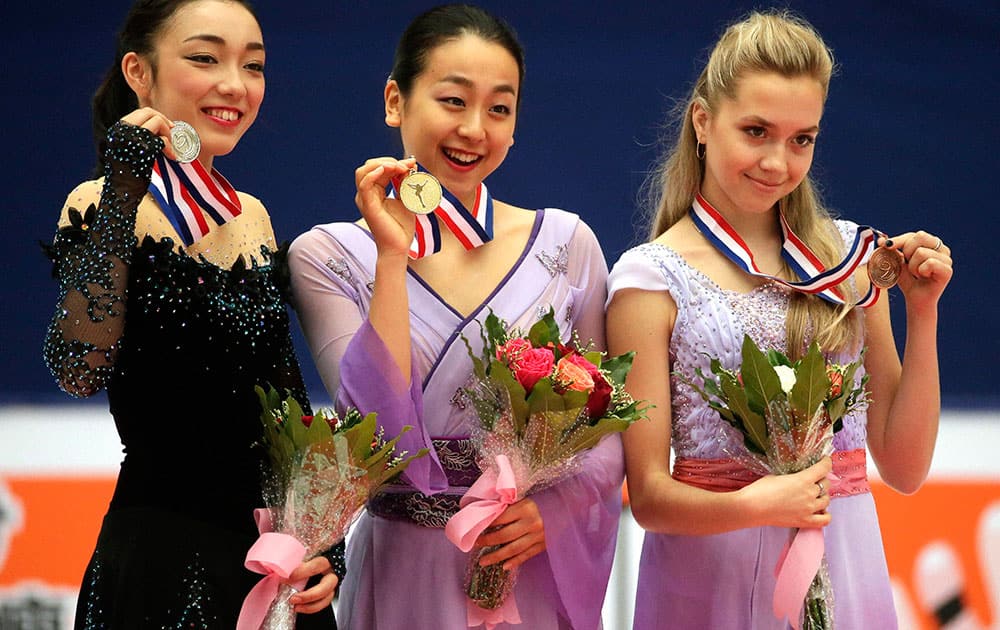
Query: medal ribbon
{"x":181,"y":189}
{"x":816,"y":279}
{"x":472,"y":228}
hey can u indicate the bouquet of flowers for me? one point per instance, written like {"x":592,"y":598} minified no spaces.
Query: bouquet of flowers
{"x":787,"y":413}
{"x":539,"y":403}
{"x":322,"y":469}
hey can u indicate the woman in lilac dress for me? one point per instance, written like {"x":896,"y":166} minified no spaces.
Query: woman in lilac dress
{"x":714,"y":532}
{"x":387,"y":305}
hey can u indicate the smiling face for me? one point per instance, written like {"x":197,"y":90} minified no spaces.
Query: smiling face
{"x":207,"y":69}
{"x":759,"y":145}
{"x":458,"y":118}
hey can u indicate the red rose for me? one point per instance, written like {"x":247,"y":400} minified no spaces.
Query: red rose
{"x":599,"y":399}
{"x":533,"y":364}
{"x":836,"y":383}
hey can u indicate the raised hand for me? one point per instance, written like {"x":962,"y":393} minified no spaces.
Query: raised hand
{"x":388,"y":220}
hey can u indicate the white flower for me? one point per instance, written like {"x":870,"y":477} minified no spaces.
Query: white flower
{"x":787,"y":377}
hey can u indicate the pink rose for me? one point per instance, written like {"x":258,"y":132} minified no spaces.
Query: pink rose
{"x":579,"y":359}
{"x":511,"y":352}
{"x":600,"y":398}
{"x":532,"y":365}
{"x":571,"y":375}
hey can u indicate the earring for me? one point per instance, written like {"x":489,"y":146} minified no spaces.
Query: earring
{"x":699,"y":151}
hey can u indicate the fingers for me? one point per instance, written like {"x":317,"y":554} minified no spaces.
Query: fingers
{"x":819,"y":470}
{"x":154,"y":121}
{"x":928,"y":261}
{"x":318,"y":596}
{"x":519,"y":532}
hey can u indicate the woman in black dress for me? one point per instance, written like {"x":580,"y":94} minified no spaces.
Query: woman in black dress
{"x":171,"y":300}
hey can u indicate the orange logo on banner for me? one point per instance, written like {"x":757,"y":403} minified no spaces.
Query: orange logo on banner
{"x":61,"y":517}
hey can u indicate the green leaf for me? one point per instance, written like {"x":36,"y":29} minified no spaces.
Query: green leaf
{"x":760,"y":381}
{"x":496,"y":330}
{"x":503,"y":377}
{"x":588,"y":436}
{"x":777,"y":358}
{"x":597,"y":358}
{"x":544,"y":398}
{"x":545,"y":331}
{"x":811,"y":385}
{"x":748,"y":421}
{"x":618,"y":367}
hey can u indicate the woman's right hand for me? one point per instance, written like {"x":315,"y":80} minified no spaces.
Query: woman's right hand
{"x":155,"y":122}
{"x":388,"y":220}
{"x":795,"y":500}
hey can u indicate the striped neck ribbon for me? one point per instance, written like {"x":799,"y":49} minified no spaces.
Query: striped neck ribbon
{"x":815,"y":278}
{"x":181,"y":189}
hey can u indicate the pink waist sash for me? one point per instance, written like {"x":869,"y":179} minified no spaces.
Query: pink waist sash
{"x":725,"y":475}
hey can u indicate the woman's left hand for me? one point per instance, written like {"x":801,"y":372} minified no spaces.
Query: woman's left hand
{"x":319,"y":596}
{"x":521,"y":532}
{"x":927,"y":266}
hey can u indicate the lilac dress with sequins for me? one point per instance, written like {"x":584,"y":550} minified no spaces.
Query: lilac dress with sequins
{"x":402,"y":571}
{"x":727,"y":580}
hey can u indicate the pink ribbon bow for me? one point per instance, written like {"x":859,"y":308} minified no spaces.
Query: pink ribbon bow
{"x":482,"y":504}
{"x":275,"y":556}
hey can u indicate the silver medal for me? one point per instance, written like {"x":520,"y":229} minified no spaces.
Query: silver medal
{"x":185,"y":141}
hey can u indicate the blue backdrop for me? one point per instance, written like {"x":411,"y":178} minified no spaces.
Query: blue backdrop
{"x":909,"y":138}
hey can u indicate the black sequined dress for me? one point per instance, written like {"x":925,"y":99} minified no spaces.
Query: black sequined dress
{"x":179,"y":358}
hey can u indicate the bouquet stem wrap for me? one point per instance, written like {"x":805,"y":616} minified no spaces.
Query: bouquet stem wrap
{"x":275,"y":556}
{"x":539,"y":404}
{"x":322,"y":469}
{"x":800,"y":582}
{"x":481,"y":505}
{"x":787,"y":413}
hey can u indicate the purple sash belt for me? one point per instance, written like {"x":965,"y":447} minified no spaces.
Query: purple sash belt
{"x":400,"y":502}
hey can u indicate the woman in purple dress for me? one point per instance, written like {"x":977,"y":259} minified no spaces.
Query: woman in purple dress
{"x":714,"y":533}
{"x":387,"y":304}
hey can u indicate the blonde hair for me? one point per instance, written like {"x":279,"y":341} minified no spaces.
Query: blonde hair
{"x":779,"y":42}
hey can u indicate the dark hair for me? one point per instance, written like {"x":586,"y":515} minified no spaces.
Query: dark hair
{"x":114,"y":98}
{"x":432,"y":28}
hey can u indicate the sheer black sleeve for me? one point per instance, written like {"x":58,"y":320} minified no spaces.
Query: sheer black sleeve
{"x":90,"y":260}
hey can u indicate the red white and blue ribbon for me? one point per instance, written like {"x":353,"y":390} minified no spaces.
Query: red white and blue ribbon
{"x":181,"y":189}
{"x":815,"y":278}
{"x":472,"y":227}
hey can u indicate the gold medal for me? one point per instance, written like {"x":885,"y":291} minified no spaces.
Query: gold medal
{"x":420,"y":192}
{"x":884,"y":267}
{"x":185,"y":141}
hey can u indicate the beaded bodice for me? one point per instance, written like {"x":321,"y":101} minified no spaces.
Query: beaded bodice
{"x":711,"y":322}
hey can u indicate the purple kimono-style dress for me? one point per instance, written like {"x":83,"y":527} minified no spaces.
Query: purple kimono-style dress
{"x":402,"y":571}
{"x":726,"y":581}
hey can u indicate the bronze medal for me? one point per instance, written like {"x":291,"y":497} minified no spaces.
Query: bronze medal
{"x":884,"y":267}
{"x":185,"y":141}
{"x":420,"y":192}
